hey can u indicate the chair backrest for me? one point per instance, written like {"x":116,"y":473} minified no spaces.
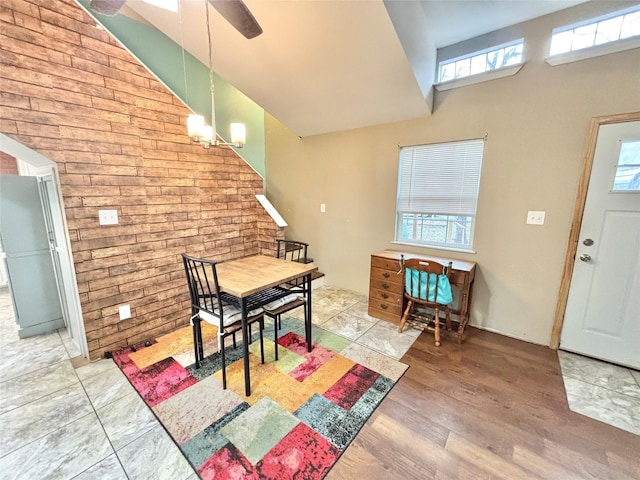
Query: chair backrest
{"x":292,"y":250}
{"x":202,"y":279}
{"x":424,"y":283}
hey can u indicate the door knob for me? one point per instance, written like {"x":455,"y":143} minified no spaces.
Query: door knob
{"x":585,"y":258}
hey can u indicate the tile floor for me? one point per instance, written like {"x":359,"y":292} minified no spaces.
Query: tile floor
{"x":605,"y":392}
{"x":60,"y":421}
{"x":64,"y":418}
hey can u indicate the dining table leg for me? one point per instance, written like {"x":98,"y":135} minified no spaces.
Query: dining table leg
{"x":245,"y":346}
{"x":308,"y":321}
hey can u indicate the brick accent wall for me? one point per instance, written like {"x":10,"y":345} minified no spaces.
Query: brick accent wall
{"x":72,"y":93}
{"x":8,"y":164}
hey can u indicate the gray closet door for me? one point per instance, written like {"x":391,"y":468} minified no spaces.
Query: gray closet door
{"x":32,"y":279}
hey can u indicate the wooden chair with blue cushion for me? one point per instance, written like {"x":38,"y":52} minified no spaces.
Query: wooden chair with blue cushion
{"x":427,"y":286}
{"x":208,"y":303}
{"x":295,"y":251}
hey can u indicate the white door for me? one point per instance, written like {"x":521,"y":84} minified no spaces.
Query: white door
{"x":47,"y":193}
{"x":602,"y":318}
{"x":32,"y":279}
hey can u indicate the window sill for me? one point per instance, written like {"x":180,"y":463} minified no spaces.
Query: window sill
{"x":479,"y":77}
{"x":434,"y":247}
{"x":597,"y":51}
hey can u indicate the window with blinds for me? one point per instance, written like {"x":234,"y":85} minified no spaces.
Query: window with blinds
{"x":438,"y":193}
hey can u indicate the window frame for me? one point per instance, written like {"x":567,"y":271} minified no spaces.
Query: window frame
{"x":464,"y":203}
{"x":596,"y":49}
{"x":618,"y":166}
{"x":471,"y":55}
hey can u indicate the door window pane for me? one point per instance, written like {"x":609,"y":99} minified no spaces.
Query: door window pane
{"x":627,"y":176}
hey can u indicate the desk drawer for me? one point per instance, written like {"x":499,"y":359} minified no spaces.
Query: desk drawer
{"x":386,"y":276}
{"x":386,"y":286}
{"x":385,"y":296}
{"x":393,"y":308}
{"x":385,"y":264}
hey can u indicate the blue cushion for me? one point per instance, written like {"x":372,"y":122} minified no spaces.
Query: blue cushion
{"x":416,"y":279}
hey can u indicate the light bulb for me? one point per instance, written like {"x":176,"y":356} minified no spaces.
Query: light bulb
{"x":238,"y":134}
{"x":195,"y":126}
{"x":207,"y":135}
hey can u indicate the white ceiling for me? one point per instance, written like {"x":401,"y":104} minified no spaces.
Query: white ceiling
{"x":323,"y":66}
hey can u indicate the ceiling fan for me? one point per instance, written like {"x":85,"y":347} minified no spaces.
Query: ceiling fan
{"x":234,"y":11}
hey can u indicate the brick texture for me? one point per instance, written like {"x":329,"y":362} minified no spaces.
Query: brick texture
{"x":70,"y":92}
{"x":8,"y":164}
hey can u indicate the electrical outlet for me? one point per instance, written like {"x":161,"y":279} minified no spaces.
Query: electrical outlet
{"x":125,"y":312}
{"x":108,"y":217}
{"x":535,"y":217}
{"x":323,"y":208}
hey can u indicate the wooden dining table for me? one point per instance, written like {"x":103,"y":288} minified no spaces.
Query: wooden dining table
{"x":245,"y":278}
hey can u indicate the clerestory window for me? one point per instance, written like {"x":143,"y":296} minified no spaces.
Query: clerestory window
{"x":610,"y":28}
{"x":481,"y":61}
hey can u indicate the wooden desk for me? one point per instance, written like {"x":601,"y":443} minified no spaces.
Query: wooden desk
{"x":249,"y":275}
{"x":386,"y":299}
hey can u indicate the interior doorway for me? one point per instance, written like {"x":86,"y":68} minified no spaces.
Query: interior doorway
{"x":34,"y":165}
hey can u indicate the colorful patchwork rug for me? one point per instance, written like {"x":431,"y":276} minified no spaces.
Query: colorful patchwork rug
{"x":303,"y":412}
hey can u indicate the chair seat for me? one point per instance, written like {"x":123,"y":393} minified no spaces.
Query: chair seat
{"x":280,"y":302}
{"x":294,"y":302}
{"x":231,"y":315}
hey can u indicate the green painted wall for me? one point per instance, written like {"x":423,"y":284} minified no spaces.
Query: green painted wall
{"x":164,"y":58}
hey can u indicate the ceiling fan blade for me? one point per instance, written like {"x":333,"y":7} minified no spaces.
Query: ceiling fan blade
{"x":238,"y":15}
{"x":106,"y":7}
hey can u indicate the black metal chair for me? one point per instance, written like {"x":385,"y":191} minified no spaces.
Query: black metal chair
{"x":208,"y":303}
{"x":294,"y":251}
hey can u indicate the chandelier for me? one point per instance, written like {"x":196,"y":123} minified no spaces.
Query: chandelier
{"x":197,"y":128}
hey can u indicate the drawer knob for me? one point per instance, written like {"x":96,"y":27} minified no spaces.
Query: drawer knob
{"x":385,"y":274}
{"x":384,"y":306}
{"x":384,"y":295}
{"x":385,"y":285}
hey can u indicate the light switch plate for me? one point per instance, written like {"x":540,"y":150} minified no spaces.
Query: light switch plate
{"x":108,"y":217}
{"x":124,"y":311}
{"x":323,"y":208}
{"x":535,"y":217}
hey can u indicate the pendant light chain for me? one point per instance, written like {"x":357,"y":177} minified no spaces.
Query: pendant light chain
{"x":184,"y":62}
{"x":211,"y":86}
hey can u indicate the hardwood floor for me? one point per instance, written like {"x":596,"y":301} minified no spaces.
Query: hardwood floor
{"x":491,"y":408}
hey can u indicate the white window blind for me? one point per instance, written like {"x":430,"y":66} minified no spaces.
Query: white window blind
{"x":441,"y":178}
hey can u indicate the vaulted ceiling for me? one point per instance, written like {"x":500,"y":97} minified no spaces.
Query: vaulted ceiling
{"x":331,"y":65}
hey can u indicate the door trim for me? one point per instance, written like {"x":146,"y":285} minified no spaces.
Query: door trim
{"x":39,"y":165}
{"x":578,"y":211}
